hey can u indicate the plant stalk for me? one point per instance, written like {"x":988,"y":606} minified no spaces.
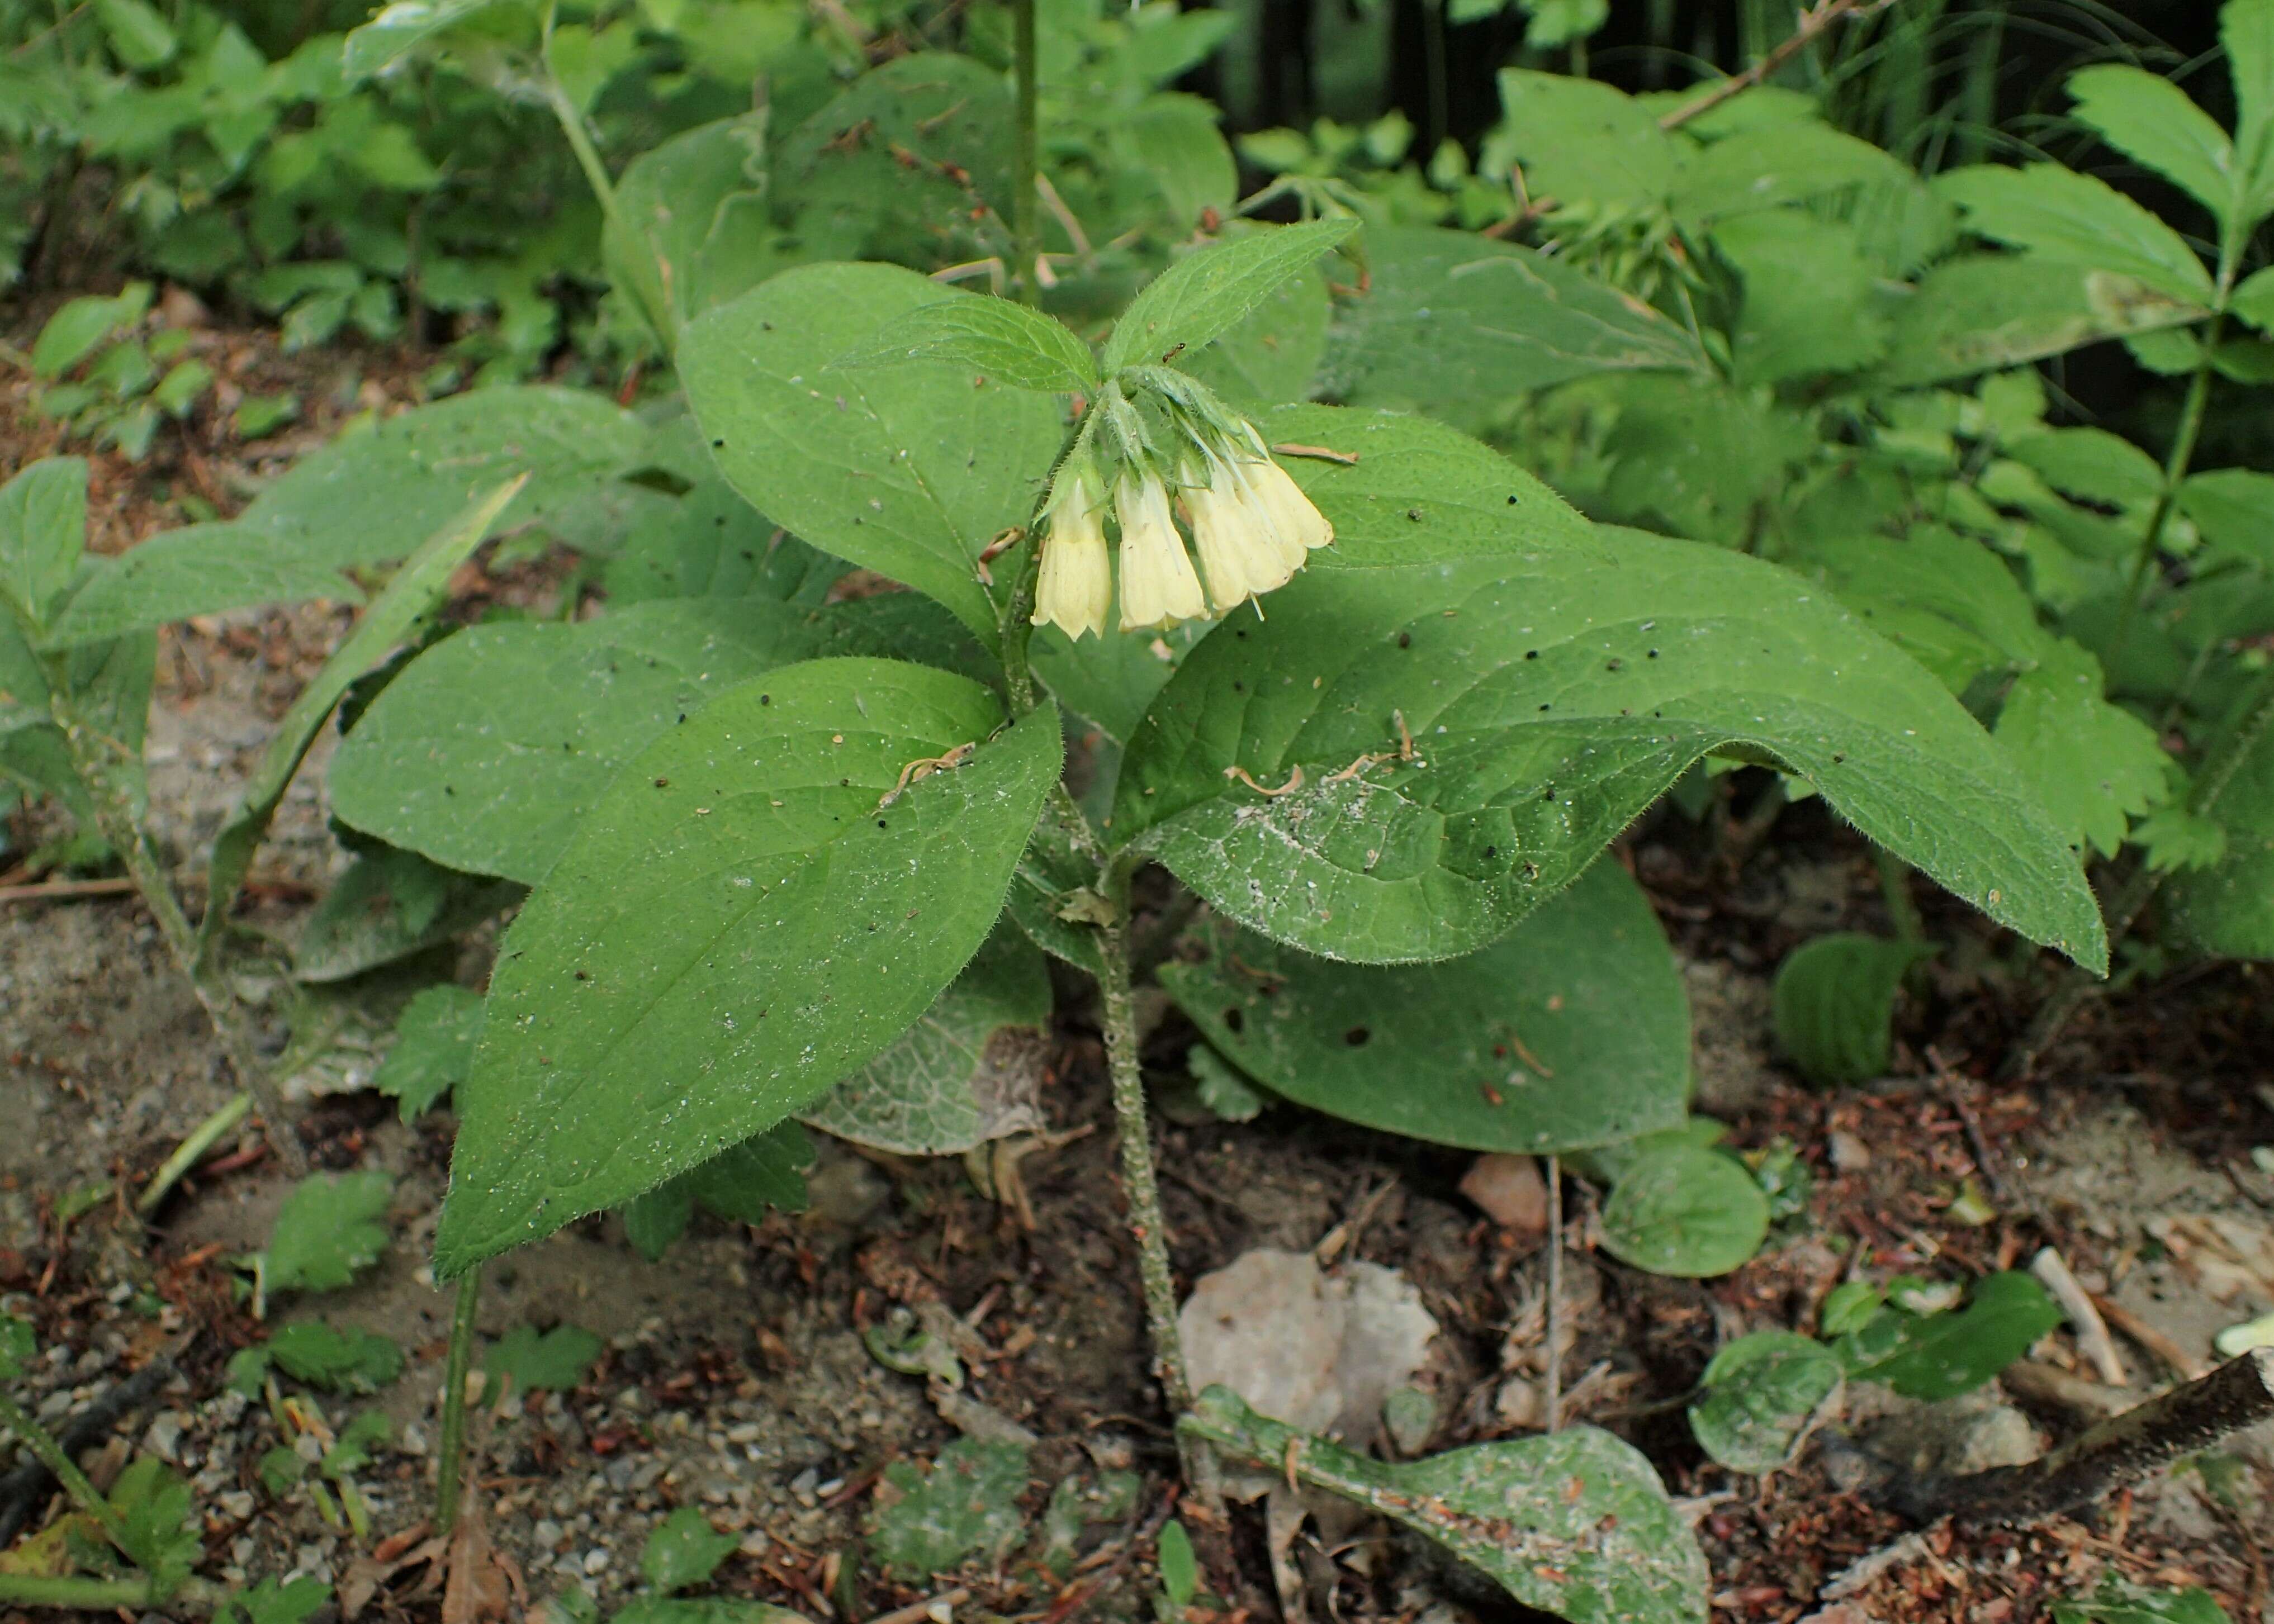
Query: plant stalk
{"x":102,"y":1595}
{"x":2175,"y":469}
{"x":202,"y":1139}
{"x":65,"y":1470}
{"x":1895,"y":887}
{"x":449,"y":1487}
{"x":1025,"y":159}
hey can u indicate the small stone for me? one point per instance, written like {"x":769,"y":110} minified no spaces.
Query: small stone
{"x":1510,"y":1190}
{"x":595,"y":1561}
{"x":634,"y":1401}
{"x":412,"y":1439}
{"x":237,"y":1505}
{"x":548,"y":1534}
{"x":164,"y":1437}
{"x":1849,"y":1154}
{"x":1519,"y":1403}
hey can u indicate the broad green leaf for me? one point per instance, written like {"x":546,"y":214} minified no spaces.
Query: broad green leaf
{"x":415,"y":592}
{"x":2090,"y":463}
{"x":1172,"y":141}
{"x":691,"y":228}
{"x":1948,"y":602}
{"x":2233,"y":508}
{"x":315,"y":1353}
{"x":1981,"y":312}
{"x":434,"y":1038}
{"x":388,"y":904}
{"x":2095,"y":766}
{"x":1596,"y":665}
{"x":2247,"y":29}
{"x":1572,"y":1030}
{"x":408,"y":25}
{"x":2066,"y":218}
{"x":2119,"y":1602}
{"x":487,"y":749}
{"x":1776,"y":165}
{"x":1940,"y":1356}
{"x":754,"y":908}
{"x":76,"y":328}
{"x":199,"y":569}
{"x":1579,"y":144}
{"x":2148,"y":118}
{"x":553,"y":1361}
{"x":1835,"y":1001}
{"x":967,"y":1507}
{"x":42,"y":529}
{"x":993,"y":338}
{"x":1454,"y":323}
{"x":1273,"y":354}
{"x":910,"y":472}
{"x":142,"y":38}
{"x":1758,"y":1395}
{"x":1686,"y":1211}
{"x":1575,"y":1523}
{"x":1212,"y":289}
{"x":684,"y":1550}
{"x":1810,"y":304}
{"x":329,"y":1229}
{"x":970,"y":1070}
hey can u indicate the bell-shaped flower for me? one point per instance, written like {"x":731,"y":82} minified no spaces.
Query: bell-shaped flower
{"x":1158,"y":587}
{"x":1075,"y":586}
{"x":1241,"y":552}
{"x":1299,"y":523}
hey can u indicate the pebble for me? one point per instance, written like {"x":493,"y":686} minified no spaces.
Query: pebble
{"x":164,"y":1437}
{"x":595,"y":1561}
{"x":1849,"y":1154}
{"x":547,"y":1533}
{"x":237,"y":1505}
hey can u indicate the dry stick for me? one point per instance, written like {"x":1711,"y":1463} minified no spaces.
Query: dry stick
{"x":2092,"y":1339}
{"x":1554,"y":1380}
{"x":1809,"y":24}
{"x":64,"y":891}
{"x":2102,"y":1459}
{"x":2183,"y":1365}
{"x":921,"y":1611}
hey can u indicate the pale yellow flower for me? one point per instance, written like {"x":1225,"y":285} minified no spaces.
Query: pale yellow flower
{"x":1158,"y":587}
{"x":1241,"y":550}
{"x":1292,"y":512}
{"x":1076,"y":587}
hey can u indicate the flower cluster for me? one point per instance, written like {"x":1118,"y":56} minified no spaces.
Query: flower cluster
{"x":1250,"y":524}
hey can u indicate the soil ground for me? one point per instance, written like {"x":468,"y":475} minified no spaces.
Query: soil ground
{"x":735,"y":1377}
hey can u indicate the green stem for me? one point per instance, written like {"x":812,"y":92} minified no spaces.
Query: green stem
{"x":102,"y":1595}
{"x":571,"y":120}
{"x":1025,"y":163}
{"x":202,"y":1139}
{"x":2175,"y":470}
{"x":449,"y":1487}
{"x":91,"y":758}
{"x":1895,"y":886}
{"x":52,"y":1456}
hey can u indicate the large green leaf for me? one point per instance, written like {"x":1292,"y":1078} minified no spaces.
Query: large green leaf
{"x":2228,"y":908}
{"x":1573,"y":1030}
{"x":1981,"y":312}
{"x":2146,"y":117}
{"x":1454,"y":323}
{"x":748,"y":915}
{"x":970,"y":1069}
{"x":1811,"y":298}
{"x":1555,"y":681}
{"x":910,"y":470}
{"x":1575,"y":1523}
{"x":1772,"y":166}
{"x":484,"y":751}
{"x":42,"y":529}
{"x":1273,"y":354}
{"x":691,"y":229}
{"x":1683,"y":1209}
{"x":2065,"y":218}
{"x":994,"y":338}
{"x":1211,"y":291}
{"x":1581,"y":144}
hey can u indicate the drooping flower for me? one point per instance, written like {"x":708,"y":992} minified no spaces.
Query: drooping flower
{"x":1297,"y":520}
{"x":1158,"y":587}
{"x":1242,"y":553}
{"x":1076,"y":587}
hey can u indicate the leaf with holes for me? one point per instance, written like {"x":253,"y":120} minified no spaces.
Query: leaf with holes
{"x":1572,"y":1030}
{"x":755,"y":907}
{"x":1593,"y":667}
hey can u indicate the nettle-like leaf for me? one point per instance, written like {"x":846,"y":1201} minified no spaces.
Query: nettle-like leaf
{"x":742,"y":1183}
{"x":485,"y":752}
{"x":2228,"y":908}
{"x":1453,"y":323}
{"x":42,"y":529}
{"x":2066,"y":218}
{"x":758,"y":903}
{"x":910,"y":470}
{"x":2095,"y":767}
{"x":994,"y":338}
{"x":1572,"y":1030}
{"x":1582,"y":144}
{"x":1212,"y":291}
{"x":553,"y":1361}
{"x":330,"y":1229}
{"x":434,"y":1038}
{"x":970,"y":1069}
{"x":1835,"y":1002}
{"x":2146,"y":117}
{"x":1576,"y":1523}
{"x":1587,"y":670}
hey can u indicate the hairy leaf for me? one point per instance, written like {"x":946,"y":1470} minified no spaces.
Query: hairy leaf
{"x":1684,"y":1210}
{"x":434,"y":1038}
{"x":2066,"y":218}
{"x":994,"y":338}
{"x":329,"y":1229}
{"x":1209,"y":291}
{"x":1835,"y":1002}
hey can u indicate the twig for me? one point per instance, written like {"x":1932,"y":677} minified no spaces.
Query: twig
{"x":63,"y":891}
{"x":23,"y":1490}
{"x":1552,"y":1382}
{"x":923,"y":1612}
{"x":2053,"y":1272}
{"x":1809,"y":24}
{"x":2131,"y":1325}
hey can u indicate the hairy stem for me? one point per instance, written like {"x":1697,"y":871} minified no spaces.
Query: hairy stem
{"x":1025,"y":161}
{"x":65,"y":1470}
{"x":1895,"y":887}
{"x":2175,"y":470}
{"x":450,"y":1486}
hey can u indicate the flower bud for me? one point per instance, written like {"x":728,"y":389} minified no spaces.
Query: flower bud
{"x":1075,"y":586}
{"x":1158,"y":586}
{"x":1240,"y":551}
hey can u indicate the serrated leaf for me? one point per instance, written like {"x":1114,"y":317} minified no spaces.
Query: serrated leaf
{"x":485,"y":752}
{"x":970,"y":1070}
{"x":1647,"y":655}
{"x":1771,"y":166}
{"x":2246,"y":28}
{"x":2095,"y":766}
{"x":2233,"y":508}
{"x":1580,"y":143}
{"x":339,"y":1361}
{"x":684,"y":1550}
{"x":434,"y":1038}
{"x":994,"y":338}
{"x":1942,"y":1355}
{"x":1212,"y":289}
{"x":2148,"y":118}
{"x":684,"y":978}
{"x":553,"y":1361}
{"x":153,"y":1506}
{"x":740,"y":1183}
{"x":1835,"y":1000}
{"x":1686,"y":1211}
{"x":1758,"y":1395}
{"x":910,"y":472}
{"x":2089,"y":464}
{"x":1810,"y":304}
{"x":2228,"y":908}
{"x":329,"y":1230}
{"x":270,"y":1601}
{"x":1452,"y":322}
{"x":1575,"y":1523}
{"x":42,"y":529}
{"x":1573,"y":1030}
{"x":2067,"y":218}
{"x":1979,"y":313}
